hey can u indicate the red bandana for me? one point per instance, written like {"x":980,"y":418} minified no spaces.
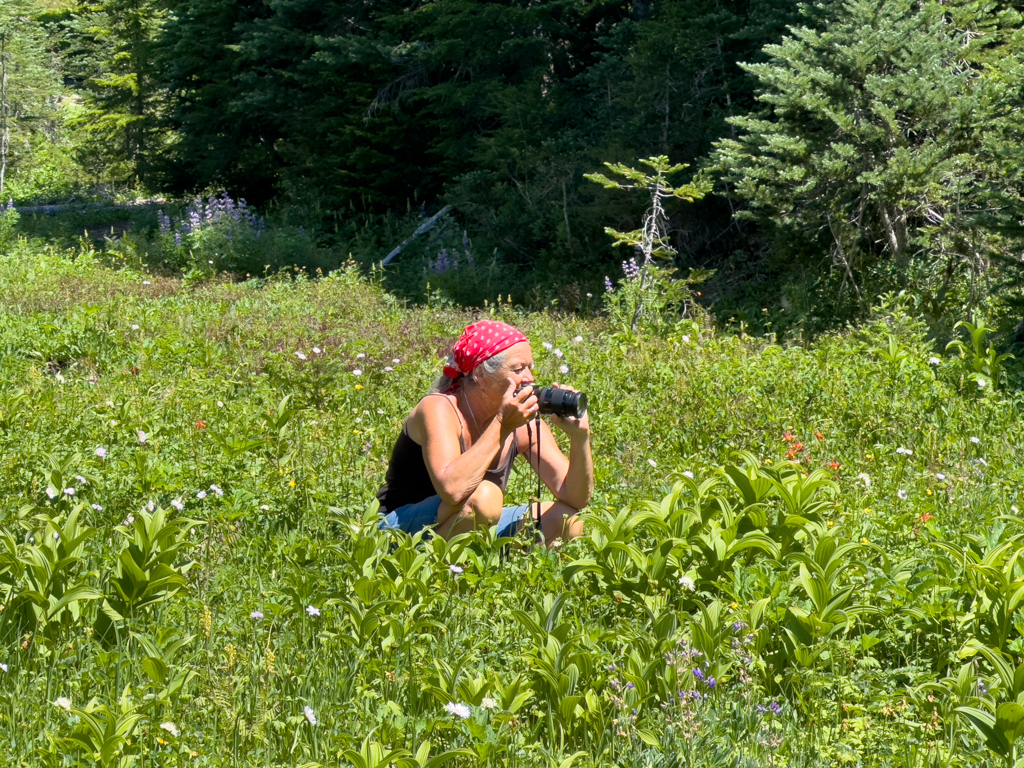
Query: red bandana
{"x":481,"y":341}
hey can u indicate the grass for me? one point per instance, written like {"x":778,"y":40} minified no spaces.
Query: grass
{"x":754,"y":521}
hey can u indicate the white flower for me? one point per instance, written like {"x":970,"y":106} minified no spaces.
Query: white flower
{"x":686,"y":339}
{"x":934,"y":361}
{"x":547,"y":345}
{"x":652,"y":462}
{"x":577,"y":339}
{"x":459,"y":710}
{"x":455,"y":569}
{"x":171,"y":728}
{"x":146,"y":282}
{"x":316,"y":350}
{"x":81,"y":480}
{"x":177,"y":504}
{"x":265,"y":507}
{"x":310,"y":715}
{"x":69,"y":491}
{"x":1012,"y":509}
{"x":201,"y":495}
{"x":563,"y":368}
{"x":3,"y":668}
{"x":101,"y":452}
{"x":220,"y":404}
{"x":97,"y":507}
{"x":130,"y":520}
{"x":218,"y":491}
{"x":864,"y":478}
{"x":396,"y":361}
{"x":688,"y":474}
{"x":360,"y":356}
{"x":940,"y":476}
{"x":135,"y":327}
{"x":983,"y":462}
{"x":687,"y":583}
{"x":388,"y":369}
{"x":63,"y":702}
{"x":256,"y":615}
{"x":904,"y":451}
{"x":902,"y":494}
{"x":300,"y":356}
{"x":981,"y":383}
{"x":357,"y":372}
{"x":151,"y":506}
{"x":485,"y":704}
{"x":142,"y":436}
{"x":56,"y":536}
{"x":559,"y":353}
{"x":51,"y":493}
{"x":975,"y":440}
{"x":312,"y":611}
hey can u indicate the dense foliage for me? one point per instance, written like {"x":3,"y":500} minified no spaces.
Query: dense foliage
{"x":803,"y":555}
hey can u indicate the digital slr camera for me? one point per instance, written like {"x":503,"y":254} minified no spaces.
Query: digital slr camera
{"x":560,"y":402}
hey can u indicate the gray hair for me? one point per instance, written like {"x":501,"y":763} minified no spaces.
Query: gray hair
{"x":491,"y":366}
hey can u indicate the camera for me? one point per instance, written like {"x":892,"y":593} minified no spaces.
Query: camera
{"x":560,"y":402}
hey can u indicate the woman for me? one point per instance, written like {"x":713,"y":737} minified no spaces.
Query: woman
{"x":452,"y":461}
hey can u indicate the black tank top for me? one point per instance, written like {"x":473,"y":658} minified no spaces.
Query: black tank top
{"x":408,"y":482}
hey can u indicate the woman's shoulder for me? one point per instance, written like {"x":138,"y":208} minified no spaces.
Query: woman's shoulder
{"x":434,"y":409}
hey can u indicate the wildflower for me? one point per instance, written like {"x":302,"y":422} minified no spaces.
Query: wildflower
{"x":686,"y":339}
{"x":834,"y":464}
{"x":265,"y":507}
{"x":291,"y":484}
{"x":201,"y":495}
{"x":146,"y":282}
{"x":200,"y":424}
{"x":396,"y":361}
{"x":981,"y":383}
{"x":128,"y":520}
{"x":256,"y":616}
{"x":929,"y":492}
{"x":864,"y":540}
{"x":925,"y":517}
{"x":300,"y":356}
{"x":983,"y":462}
{"x":578,"y":339}
{"x":788,"y":437}
{"x":135,"y":327}
{"x":101,"y":452}
{"x":69,"y":491}
{"x":455,"y":569}
{"x":142,"y":436}
{"x":3,"y":668}
{"x":312,"y":611}
{"x":1014,"y":509}
{"x":608,"y":287}
{"x":360,"y":356}
{"x":316,"y":350}
{"x":982,"y":688}
{"x":459,"y":710}
{"x":903,"y":451}
{"x":220,"y":404}
{"x":81,"y":480}
{"x":819,"y":436}
{"x":357,"y":372}
{"x":151,"y":506}
{"x":563,"y":368}
{"x":177,"y":504}
{"x":630,"y":686}
{"x":97,"y":507}
{"x":559,"y":354}
{"x":869,"y":456}
{"x":388,"y":369}
{"x":902,"y":494}
{"x":171,"y":728}
{"x":63,"y":702}
{"x":934,"y":360}
{"x":310,"y":715}
{"x":652,"y":462}
{"x":688,"y":474}
{"x":51,"y":493}
{"x":775,"y":707}
{"x":939,"y":476}
{"x":864,"y":478}
{"x":488,"y":704}
{"x":687,"y":583}
{"x":56,"y":536}
{"x":712,"y":682}
{"x":698,"y":673}
{"x":218,"y":491}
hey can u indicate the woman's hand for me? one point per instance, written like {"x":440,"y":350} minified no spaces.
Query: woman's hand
{"x":570,"y":426}
{"x":517,"y":408}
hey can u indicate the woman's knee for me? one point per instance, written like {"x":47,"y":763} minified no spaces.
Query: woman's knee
{"x":561,"y":521}
{"x":486,"y":502}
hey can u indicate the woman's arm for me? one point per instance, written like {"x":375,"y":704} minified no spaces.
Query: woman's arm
{"x":571,"y":479}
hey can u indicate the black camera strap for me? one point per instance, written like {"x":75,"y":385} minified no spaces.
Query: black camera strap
{"x":537,"y":533}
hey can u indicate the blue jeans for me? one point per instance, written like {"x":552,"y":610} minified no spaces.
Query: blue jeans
{"x":413,"y":518}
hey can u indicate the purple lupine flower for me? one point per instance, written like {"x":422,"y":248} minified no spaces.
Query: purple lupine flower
{"x":712,"y":682}
{"x":608,"y":287}
{"x":630,"y":269}
{"x":775,"y":707}
{"x":699,"y":674}
{"x":982,"y":688}
{"x":630,"y":686}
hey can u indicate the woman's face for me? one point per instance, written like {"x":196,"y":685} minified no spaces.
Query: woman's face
{"x":518,"y":366}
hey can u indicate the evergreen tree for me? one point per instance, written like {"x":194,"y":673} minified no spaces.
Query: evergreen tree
{"x":871,"y":145}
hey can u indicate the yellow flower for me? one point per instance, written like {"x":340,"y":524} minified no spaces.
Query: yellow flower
{"x":734,"y":606}
{"x":292,"y":483}
{"x":864,"y":540}
{"x":867,"y":510}
{"x":830,"y":523}
{"x":161,"y":742}
{"x":929,"y":491}
{"x":359,"y":386}
{"x":870,"y":456}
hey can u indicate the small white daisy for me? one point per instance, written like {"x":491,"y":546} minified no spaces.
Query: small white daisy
{"x":459,"y":710}
{"x":171,"y":728}
{"x":312,"y":611}
{"x":310,"y":715}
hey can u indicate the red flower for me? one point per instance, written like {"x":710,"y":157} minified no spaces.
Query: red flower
{"x":819,"y":436}
{"x":835,"y":464}
{"x":200,"y":424}
{"x":925,"y":517}
{"x":788,"y":437}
